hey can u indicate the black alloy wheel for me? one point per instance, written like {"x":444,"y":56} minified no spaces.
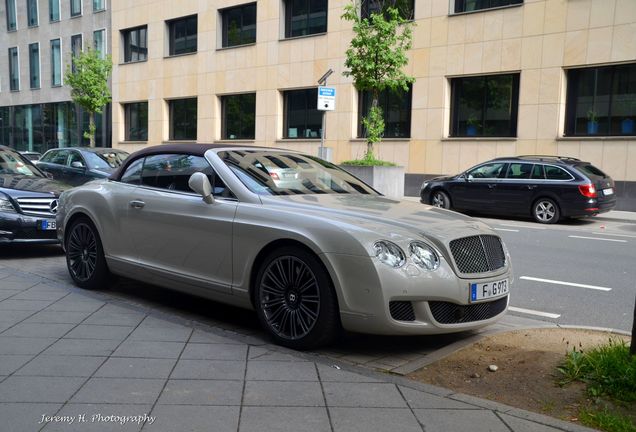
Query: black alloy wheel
{"x":546,"y":211}
{"x":85,"y":256}
{"x":294,"y":299}
{"x":440,"y":199}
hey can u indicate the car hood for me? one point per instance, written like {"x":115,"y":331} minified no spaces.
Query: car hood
{"x":25,"y":186}
{"x":442,"y":178}
{"x":375,"y":217}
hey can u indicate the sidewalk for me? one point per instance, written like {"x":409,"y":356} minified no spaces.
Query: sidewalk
{"x":72,"y":360}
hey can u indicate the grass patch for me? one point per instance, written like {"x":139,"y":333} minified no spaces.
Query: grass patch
{"x":606,"y":420}
{"x":368,"y":161}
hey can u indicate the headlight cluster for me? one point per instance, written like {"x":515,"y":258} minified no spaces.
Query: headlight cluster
{"x":5,"y":205}
{"x":423,"y":255}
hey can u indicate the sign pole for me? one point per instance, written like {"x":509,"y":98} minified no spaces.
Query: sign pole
{"x":326,"y":101}
{"x":321,"y":152}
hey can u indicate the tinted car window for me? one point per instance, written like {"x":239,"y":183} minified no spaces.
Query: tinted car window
{"x":591,"y":171}
{"x":132,"y":175}
{"x":76,"y":157}
{"x":537,"y":172}
{"x":556,"y":173}
{"x":490,"y":170}
{"x":56,"y":157}
{"x":519,"y":171}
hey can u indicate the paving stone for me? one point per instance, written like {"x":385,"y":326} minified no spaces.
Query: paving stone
{"x":61,"y":366}
{"x":209,"y":369}
{"x":5,"y":294}
{"x":38,"y":389}
{"x":443,"y":420}
{"x":23,"y":305}
{"x":165,"y":334}
{"x":182,"y":418}
{"x":281,"y":371}
{"x":38,"y":293}
{"x":285,"y":419}
{"x":381,"y":395}
{"x":200,"y":336}
{"x":54,"y":317}
{"x":98,"y":418}
{"x":82,"y":347}
{"x":32,"y":330}
{"x":12,"y":283}
{"x":138,"y":348}
{"x":202,"y":392}
{"x":419,"y":399}
{"x":158,"y":322}
{"x":522,"y":425}
{"x":26,"y":417}
{"x":14,"y":316}
{"x":112,"y":318}
{"x":264,"y":354}
{"x":283,"y":393}
{"x":119,"y":391}
{"x":87,"y":331}
{"x":11,"y":363}
{"x":19,"y":346}
{"x":72,"y":304}
{"x":136,"y":368}
{"x":196,"y":351}
{"x":375,"y":419}
{"x":331,"y":374}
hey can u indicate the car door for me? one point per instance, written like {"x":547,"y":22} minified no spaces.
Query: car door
{"x":75,"y":170}
{"x":475,"y":190}
{"x":175,"y":233}
{"x":513,"y":194}
{"x":53,"y":162}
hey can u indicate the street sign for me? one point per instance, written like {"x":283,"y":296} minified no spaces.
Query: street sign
{"x":326,"y":98}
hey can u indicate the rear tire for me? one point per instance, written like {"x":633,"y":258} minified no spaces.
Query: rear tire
{"x":85,"y":256}
{"x":546,"y":211}
{"x":294,"y":299}
{"x":440,"y":199}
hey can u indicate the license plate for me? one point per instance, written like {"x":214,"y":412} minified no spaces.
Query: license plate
{"x":46,"y":225}
{"x":487,"y":290}
{"x":608,"y":191}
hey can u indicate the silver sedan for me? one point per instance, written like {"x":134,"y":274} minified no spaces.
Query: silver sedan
{"x":312,"y":254}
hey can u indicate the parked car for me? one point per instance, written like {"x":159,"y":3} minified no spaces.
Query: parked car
{"x":547,"y":188}
{"x":77,"y":165}
{"x":328,"y":252}
{"x":28,"y":201}
{"x":33,"y":156}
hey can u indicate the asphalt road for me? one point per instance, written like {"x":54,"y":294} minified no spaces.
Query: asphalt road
{"x":581,"y":272}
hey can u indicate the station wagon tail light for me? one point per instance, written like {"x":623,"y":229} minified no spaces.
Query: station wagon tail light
{"x":588,"y":190}
{"x":389,"y":253}
{"x":274,"y":176}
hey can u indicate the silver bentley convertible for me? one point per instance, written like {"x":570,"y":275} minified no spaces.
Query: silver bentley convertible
{"x":308,"y":246}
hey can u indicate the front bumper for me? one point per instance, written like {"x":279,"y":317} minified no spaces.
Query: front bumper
{"x":19,"y":228}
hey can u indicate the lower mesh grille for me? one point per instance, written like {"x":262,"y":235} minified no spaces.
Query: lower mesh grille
{"x":450,"y":313}
{"x":401,"y":311}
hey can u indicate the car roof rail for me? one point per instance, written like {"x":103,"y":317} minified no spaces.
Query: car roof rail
{"x":549,"y":157}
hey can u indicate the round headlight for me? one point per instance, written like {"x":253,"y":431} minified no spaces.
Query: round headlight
{"x":424,"y":256}
{"x":389,"y":253}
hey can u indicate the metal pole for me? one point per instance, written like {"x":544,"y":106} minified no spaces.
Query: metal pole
{"x":321,"y":151}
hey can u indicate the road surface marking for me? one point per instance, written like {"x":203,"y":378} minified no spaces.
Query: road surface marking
{"x":523,"y":226}
{"x":594,"y":287}
{"x":615,"y":235}
{"x":533,"y":312}
{"x":505,"y":229}
{"x":597,"y":238}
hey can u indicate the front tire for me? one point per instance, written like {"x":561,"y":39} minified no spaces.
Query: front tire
{"x":440,"y":199}
{"x":546,"y":211}
{"x":85,"y":256}
{"x":294,"y":299}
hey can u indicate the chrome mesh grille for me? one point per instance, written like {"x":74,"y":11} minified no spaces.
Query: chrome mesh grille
{"x":450,"y":313}
{"x":402,"y":311}
{"x":478,"y":254}
{"x":38,"y":206}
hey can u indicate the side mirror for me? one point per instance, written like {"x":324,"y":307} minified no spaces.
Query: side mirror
{"x":77,"y":164}
{"x":48,"y":175}
{"x":199,"y":183}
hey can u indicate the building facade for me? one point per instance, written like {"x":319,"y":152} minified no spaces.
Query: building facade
{"x":492,"y":78}
{"x":36,"y":44}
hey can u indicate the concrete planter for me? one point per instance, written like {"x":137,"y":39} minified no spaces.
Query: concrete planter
{"x":387,"y":180}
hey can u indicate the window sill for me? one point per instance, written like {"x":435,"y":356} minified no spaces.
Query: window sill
{"x":291,"y":38}
{"x":364,"y":140}
{"x":56,"y":85}
{"x":236,"y":46}
{"x":297,"y":140}
{"x":133,"y":62}
{"x":598,"y":138}
{"x":194,"y":141}
{"x":482,"y":139}
{"x":132,"y":142}
{"x":76,"y":16}
{"x":99,"y":10}
{"x":180,"y":55}
{"x":33,"y":26}
{"x":54,"y":21}
{"x":485,"y":10}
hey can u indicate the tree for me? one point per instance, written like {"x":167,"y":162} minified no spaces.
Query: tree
{"x":376,"y":57}
{"x":87,"y":76}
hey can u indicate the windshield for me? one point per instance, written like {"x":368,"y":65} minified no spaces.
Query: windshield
{"x":105,"y":160}
{"x":14,"y":163}
{"x":281,"y":173}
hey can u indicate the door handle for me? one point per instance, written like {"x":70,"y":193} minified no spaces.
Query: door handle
{"x":492,"y":186}
{"x":137,"y":204}
{"x":530,"y":187}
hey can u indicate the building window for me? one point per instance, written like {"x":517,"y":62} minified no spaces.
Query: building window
{"x":99,"y":42}
{"x":238,"y":114}
{"x":54,"y":10}
{"x":239,"y":25}
{"x":601,"y":101}
{"x":475,"y":5}
{"x":76,"y":8}
{"x":396,"y":110}
{"x":183,"y":119}
{"x":32,"y":12}
{"x":302,"y":117}
{"x":136,"y":118}
{"x":34,"y":65}
{"x":484,"y":106}
{"x":14,"y":69}
{"x":183,"y":35}
{"x":99,"y":5}
{"x":406,"y":8}
{"x":135,"y":44}
{"x":12,"y":23}
{"x":76,"y":48}
{"x":56,"y":63}
{"x":305,"y":17}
